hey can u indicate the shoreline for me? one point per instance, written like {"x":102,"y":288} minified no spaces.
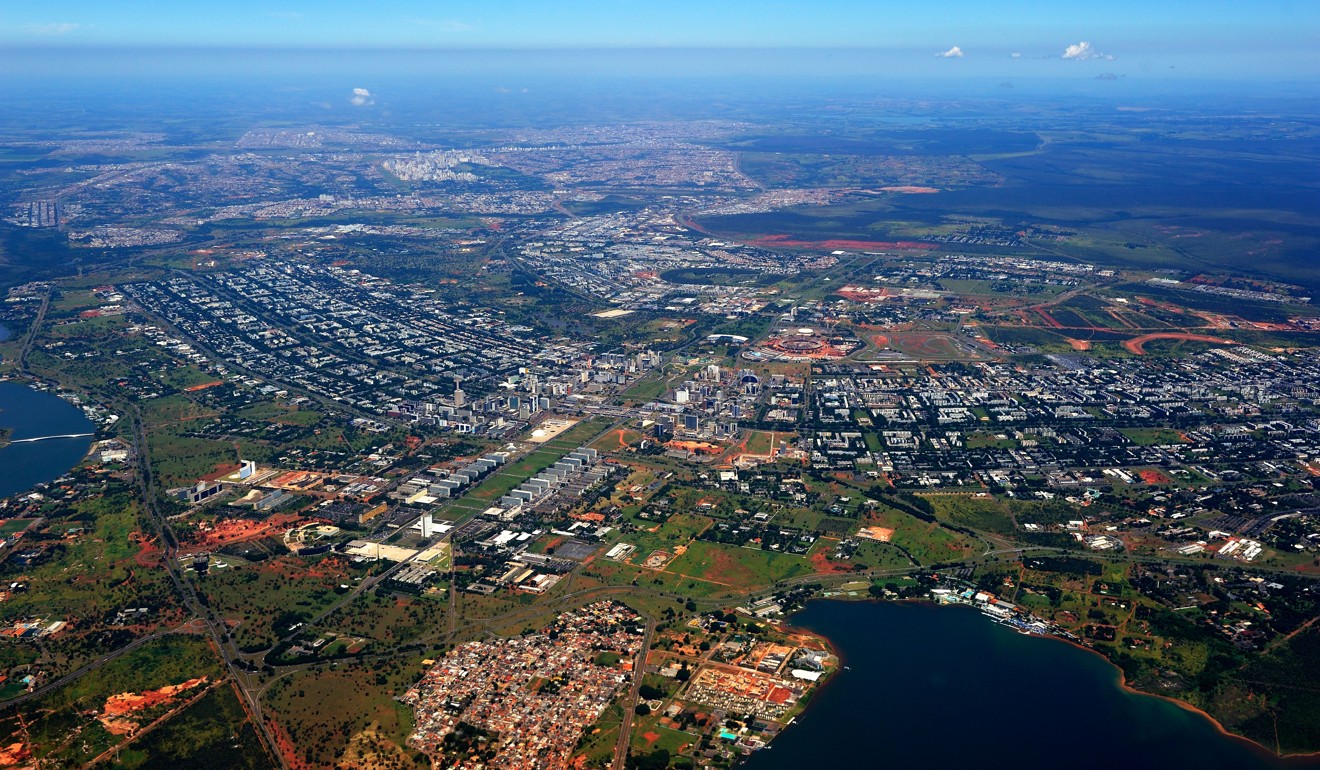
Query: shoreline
{"x":785,"y":627}
{"x":39,"y":417}
{"x":1122,"y":681}
{"x":1184,"y":705}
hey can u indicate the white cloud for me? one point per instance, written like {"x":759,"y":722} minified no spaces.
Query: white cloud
{"x":53,"y":28}
{"x":362,"y":98}
{"x":1083,"y":51}
{"x":1016,"y":55}
{"x":952,"y":53}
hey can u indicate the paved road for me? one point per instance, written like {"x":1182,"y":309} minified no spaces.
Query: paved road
{"x":89,"y":667}
{"x":34,"y":331}
{"x":630,"y":701}
{"x":252,"y":687}
{"x":183,"y":588}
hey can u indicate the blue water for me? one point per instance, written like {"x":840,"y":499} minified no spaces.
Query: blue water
{"x":29,"y":413}
{"x":944,"y":687}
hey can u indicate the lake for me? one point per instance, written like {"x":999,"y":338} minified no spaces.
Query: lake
{"x":944,"y":687}
{"x":30,"y":413}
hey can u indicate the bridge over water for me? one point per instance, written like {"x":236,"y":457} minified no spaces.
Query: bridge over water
{"x":48,"y":438}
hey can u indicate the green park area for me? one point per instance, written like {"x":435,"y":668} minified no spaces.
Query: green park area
{"x":925,"y":541}
{"x":980,"y":512}
{"x":738,"y":568}
{"x":267,"y":599}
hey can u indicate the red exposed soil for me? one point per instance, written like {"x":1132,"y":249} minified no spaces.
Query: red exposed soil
{"x":863,"y":294}
{"x":821,"y":563}
{"x":115,"y":715}
{"x":229,"y":531}
{"x":148,"y":554}
{"x":284,"y":744}
{"x":220,"y":470}
{"x":1151,"y":476}
{"x":804,"y":347}
{"x":621,"y":439}
{"x":700,"y":447}
{"x":1136,"y":345}
{"x":15,"y":754}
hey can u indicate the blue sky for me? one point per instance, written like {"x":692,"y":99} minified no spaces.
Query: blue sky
{"x":1265,"y":37}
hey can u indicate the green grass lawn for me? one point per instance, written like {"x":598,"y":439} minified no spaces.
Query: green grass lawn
{"x":983,"y":514}
{"x":928,"y":542}
{"x":1150,"y":436}
{"x":181,"y":460}
{"x":649,"y":735}
{"x":648,"y":388}
{"x":759,"y":442}
{"x":736,"y":567}
{"x":680,"y":529}
{"x":12,"y":526}
{"x":490,"y":490}
{"x":876,"y":556}
{"x":92,"y":573}
{"x":984,"y":440}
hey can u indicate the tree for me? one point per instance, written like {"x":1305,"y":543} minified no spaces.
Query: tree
{"x":656,"y":760}
{"x":642,"y":710}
